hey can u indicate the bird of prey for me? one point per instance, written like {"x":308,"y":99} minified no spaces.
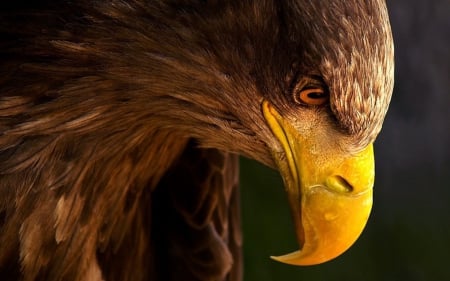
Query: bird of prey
{"x":121,"y":122}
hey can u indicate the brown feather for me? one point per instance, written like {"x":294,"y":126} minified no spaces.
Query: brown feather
{"x":119,"y":121}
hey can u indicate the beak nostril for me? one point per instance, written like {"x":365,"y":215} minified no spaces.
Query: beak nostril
{"x":339,"y":184}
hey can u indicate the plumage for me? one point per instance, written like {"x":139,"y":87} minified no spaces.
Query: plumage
{"x":120,"y":122}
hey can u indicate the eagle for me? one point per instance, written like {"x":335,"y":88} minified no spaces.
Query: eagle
{"x":121,"y":124}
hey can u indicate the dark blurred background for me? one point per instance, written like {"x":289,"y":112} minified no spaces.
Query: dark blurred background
{"x":408,"y":233}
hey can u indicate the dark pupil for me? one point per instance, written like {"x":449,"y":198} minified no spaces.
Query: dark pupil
{"x":316,"y":95}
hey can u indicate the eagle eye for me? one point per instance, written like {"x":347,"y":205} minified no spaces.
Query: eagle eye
{"x":312,"y":96}
{"x":310,"y":90}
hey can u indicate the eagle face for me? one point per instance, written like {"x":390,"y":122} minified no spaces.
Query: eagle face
{"x":327,"y":124}
{"x":316,"y":83}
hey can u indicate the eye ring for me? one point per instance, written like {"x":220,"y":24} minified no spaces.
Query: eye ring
{"x":312,"y":96}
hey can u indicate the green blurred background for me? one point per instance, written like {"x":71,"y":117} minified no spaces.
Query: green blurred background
{"x":408,"y":233}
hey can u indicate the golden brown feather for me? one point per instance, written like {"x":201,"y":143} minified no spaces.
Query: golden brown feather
{"x":119,"y":120}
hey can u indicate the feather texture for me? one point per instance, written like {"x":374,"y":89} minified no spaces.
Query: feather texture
{"x":120,"y":122}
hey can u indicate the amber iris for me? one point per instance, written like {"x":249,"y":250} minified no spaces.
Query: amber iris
{"x":312,"y":96}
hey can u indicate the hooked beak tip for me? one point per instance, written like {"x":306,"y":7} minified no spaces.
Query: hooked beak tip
{"x":330,"y":224}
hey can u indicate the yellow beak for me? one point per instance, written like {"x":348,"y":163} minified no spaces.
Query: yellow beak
{"x":329,"y":191}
